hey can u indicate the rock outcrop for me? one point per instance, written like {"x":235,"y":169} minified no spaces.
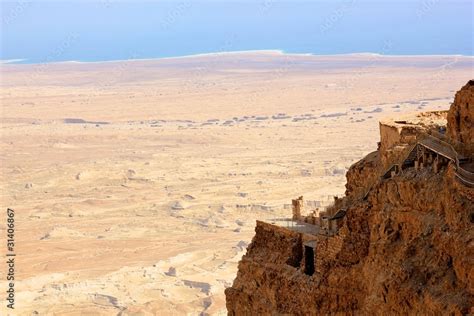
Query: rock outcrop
{"x":406,"y":246}
{"x":461,"y":115}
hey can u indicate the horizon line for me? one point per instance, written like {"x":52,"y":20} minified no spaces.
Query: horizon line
{"x":19,"y":61}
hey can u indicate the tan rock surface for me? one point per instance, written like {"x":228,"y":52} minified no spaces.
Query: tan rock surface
{"x":404,"y":249}
{"x":403,"y":254}
{"x":461,"y":115}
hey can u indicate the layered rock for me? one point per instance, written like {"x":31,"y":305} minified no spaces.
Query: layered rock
{"x":406,"y":246}
{"x":461,"y":116}
{"x":403,"y":253}
{"x":362,"y":175}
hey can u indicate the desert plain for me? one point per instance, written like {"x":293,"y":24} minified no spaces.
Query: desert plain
{"x":136,"y":184}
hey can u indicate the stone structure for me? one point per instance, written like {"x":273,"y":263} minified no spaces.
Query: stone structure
{"x":297,"y":208}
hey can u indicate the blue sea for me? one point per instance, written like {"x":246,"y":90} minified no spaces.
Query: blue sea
{"x":40,"y":31}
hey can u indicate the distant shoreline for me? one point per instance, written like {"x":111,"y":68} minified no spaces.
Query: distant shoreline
{"x":272,"y":52}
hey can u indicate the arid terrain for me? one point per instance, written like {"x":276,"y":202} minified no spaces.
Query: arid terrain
{"x":136,"y":184}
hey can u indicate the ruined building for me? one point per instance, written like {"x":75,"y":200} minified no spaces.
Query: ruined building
{"x":401,"y":240}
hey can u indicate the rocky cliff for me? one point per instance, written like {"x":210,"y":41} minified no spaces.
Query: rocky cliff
{"x":461,"y":115}
{"x":405,"y":247}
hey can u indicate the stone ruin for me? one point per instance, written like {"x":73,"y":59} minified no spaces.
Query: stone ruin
{"x":326,"y":221}
{"x":416,"y":142}
{"x":396,"y":243}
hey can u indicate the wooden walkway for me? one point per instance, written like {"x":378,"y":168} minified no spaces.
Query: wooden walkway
{"x":435,"y":145}
{"x":440,"y":147}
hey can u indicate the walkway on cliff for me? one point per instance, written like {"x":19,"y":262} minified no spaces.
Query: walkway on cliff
{"x":427,"y":149}
{"x":431,"y":144}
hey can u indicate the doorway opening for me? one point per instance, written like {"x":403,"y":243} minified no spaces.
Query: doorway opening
{"x":309,"y":260}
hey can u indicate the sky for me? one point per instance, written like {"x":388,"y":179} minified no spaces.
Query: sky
{"x":40,"y":31}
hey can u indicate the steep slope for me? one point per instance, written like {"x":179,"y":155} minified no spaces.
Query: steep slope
{"x":406,"y":247}
{"x":461,"y":116}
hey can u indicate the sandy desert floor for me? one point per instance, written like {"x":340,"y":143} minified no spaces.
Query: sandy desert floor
{"x":136,"y":184}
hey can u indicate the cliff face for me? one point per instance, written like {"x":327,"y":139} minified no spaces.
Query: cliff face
{"x":461,"y":115}
{"x":403,"y":253}
{"x":361,"y":174}
{"x":406,"y":247}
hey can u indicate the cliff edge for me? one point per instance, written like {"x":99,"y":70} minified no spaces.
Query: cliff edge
{"x":461,"y":116}
{"x":401,"y":241}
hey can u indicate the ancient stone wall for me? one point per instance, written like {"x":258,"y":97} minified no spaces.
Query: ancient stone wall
{"x":284,"y":245}
{"x":389,"y":136}
{"x":326,"y":250}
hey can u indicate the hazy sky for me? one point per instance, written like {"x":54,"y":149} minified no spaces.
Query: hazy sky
{"x":104,"y":30}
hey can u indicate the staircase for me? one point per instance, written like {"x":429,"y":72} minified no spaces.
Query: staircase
{"x":410,"y":159}
{"x":440,"y":147}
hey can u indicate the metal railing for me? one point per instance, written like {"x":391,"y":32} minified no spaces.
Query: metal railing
{"x":466,"y":176}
